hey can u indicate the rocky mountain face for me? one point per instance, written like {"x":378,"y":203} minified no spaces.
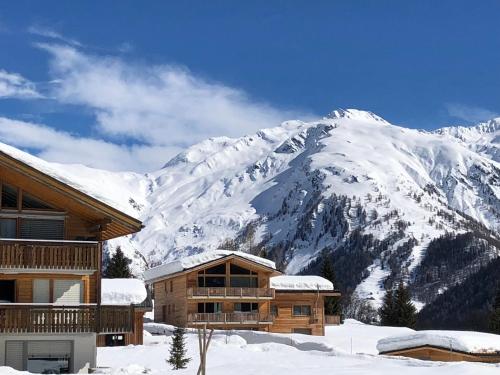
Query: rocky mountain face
{"x":387,"y":203}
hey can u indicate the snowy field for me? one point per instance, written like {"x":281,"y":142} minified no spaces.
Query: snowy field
{"x":255,"y":353}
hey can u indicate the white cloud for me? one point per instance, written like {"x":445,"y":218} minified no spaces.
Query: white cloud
{"x":63,"y":147}
{"x":470,"y":113}
{"x":52,"y":34}
{"x":159,"y":105}
{"x":146,"y":114}
{"x":13,"y":85}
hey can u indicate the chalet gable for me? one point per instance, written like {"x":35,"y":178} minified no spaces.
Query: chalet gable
{"x":59,"y":197}
{"x":207,"y":260}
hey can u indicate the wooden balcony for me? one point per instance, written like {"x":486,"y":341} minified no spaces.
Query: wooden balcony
{"x":332,"y":320}
{"x":234,"y":318}
{"x":230,"y":293}
{"x":32,"y":318}
{"x":48,"y":255}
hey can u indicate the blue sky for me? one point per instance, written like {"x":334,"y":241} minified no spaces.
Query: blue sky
{"x":141,"y":81}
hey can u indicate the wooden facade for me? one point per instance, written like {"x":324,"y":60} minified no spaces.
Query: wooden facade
{"x":185,"y":299}
{"x":435,"y":353}
{"x":52,"y":236}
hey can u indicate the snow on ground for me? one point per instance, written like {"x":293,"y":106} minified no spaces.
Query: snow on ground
{"x":256,"y":353}
{"x":122,"y":291}
{"x":470,"y":342}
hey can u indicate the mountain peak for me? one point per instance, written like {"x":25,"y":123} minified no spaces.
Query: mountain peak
{"x":355,"y":114}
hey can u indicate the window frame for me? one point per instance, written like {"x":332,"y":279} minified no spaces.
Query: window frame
{"x":302,"y":312}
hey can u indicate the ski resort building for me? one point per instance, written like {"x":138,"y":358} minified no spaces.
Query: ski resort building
{"x":52,"y":313}
{"x":234,"y":290}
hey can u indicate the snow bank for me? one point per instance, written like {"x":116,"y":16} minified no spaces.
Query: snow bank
{"x":199,"y":259}
{"x":122,"y":291}
{"x":464,"y":341}
{"x":286,"y":282}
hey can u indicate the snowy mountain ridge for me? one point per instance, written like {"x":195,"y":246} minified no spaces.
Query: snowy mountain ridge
{"x":351,"y":185}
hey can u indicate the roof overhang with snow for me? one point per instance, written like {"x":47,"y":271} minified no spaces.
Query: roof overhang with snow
{"x":301,"y":284}
{"x":123,"y":291}
{"x":113,"y":223}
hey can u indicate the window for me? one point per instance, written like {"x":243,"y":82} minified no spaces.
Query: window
{"x":212,"y":281}
{"x":171,"y":286}
{"x":42,"y":229}
{"x":210,"y":307}
{"x":237,"y":270}
{"x":31,"y":203}
{"x":7,"y":291}
{"x":301,"y":310}
{"x":8,"y":228}
{"x":274,"y":310}
{"x":9,"y":196}
{"x":246,"y":307}
{"x":217,"y":270}
{"x":243,"y":282}
{"x":115,"y":340}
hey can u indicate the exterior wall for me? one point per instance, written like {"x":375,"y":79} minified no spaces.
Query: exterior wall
{"x":437,"y":354}
{"x":134,"y":338}
{"x":24,"y":284}
{"x":171,"y":301}
{"x":83,"y":354}
{"x":286,"y":322}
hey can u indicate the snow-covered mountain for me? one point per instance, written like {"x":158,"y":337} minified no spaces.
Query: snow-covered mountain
{"x":372,"y":194}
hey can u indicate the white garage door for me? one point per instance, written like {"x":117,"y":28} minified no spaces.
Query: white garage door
{"x":68,"y":292}
{"x":41,"y":291}
{"x":14,"y":355}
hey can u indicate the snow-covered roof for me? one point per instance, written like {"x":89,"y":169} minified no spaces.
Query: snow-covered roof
{"x":286,"y":282}
{"x":199,"y":259}
{"x":463,"y":341}
{"x":122,"y":291}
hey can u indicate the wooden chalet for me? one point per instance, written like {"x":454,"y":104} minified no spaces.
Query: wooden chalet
{"x":51,"y":242}
{"x":234,"y":290}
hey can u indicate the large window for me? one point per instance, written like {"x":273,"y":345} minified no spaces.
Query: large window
{"x":242,"y":277}
{"x":301,"y":310}
{"x":246,"y":307}
{"x":210,"y":307}
{"x":214,"y":277}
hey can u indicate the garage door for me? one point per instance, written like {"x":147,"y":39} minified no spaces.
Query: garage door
{"x":14,"y":355}
{"x":68,"y":292}
{"x":49,"y":357}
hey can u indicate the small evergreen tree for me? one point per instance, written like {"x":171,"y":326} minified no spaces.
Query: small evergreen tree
{"x":332,"y":304}
{"x":178,"y":350}
{"x":404,"y":310}
{"x":118,"y":266}
{"x":495,"y":315}
{"x":387,"y":311}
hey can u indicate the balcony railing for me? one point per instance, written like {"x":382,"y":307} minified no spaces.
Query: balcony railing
{"x":236,"y":293}
{"x":332,"y":320}
{"x":34,"y":318}
{"x":53,"y":255}
{"x":229,"y":318}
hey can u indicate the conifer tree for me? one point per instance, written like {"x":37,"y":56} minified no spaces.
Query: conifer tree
{"x":178,"y":359}
{"x":404,"y":310}
{"x":495,"y":315}
{"x":387,"y":311}
{"x":118,"y":267}
{"x":332,"y":304}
